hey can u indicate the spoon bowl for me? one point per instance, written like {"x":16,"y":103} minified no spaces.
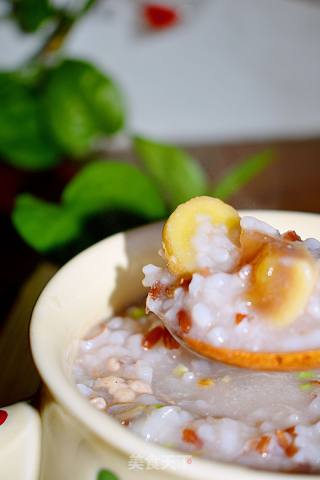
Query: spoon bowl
{"x":271,"y":361}
{"x":276,"y":361}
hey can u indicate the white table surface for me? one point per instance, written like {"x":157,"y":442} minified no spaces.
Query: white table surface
{"x":233,"y":70}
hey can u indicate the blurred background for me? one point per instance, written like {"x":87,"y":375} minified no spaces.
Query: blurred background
{"x":114,"y":111}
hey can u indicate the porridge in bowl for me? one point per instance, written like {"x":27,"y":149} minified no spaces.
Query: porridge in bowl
{"x":132,"y":368}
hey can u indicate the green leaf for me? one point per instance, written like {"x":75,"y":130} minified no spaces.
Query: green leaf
{"x":44,"y":226}
{"x":31,"y":14}
{"x":106,"y":475}
{"x":104,"y":185}
{"x":242,"y":174}
{"x":24,"y":141}
{"x":82,"y":105}
{"x":178,"y":176}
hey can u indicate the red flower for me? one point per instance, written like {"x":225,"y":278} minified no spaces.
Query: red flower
{"x":159,"y":16}
{"x":3,"y":416}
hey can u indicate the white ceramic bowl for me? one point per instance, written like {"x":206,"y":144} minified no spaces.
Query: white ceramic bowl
{"x":78,"y":440}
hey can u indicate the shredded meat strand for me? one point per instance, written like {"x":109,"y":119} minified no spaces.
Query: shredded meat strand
{"x":286,"y":440}
{"x":240,"y":317}
{"x":190,"y":436}
{"x":292,"y":236}
{"x":169,"y":341}
{"x":184,"y":283}
{"x":184,"y":321}
{"x":262,"y":444}
{"x":156,"y":290}
{"x":152,"y":337}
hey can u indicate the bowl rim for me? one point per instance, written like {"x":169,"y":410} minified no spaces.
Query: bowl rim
{"x":101,"y":424}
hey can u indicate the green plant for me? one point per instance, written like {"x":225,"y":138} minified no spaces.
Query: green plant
{"x":24,"y":142}
{"x":81,"y":105}
{"x":177,"y":175}
{"x":243,"y":174}
{"x":31,"y":14}
{"x":113,"y":188}
{"x":106,"y":475}
{"x":64,"y":110}
{"x":53,"y":108}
